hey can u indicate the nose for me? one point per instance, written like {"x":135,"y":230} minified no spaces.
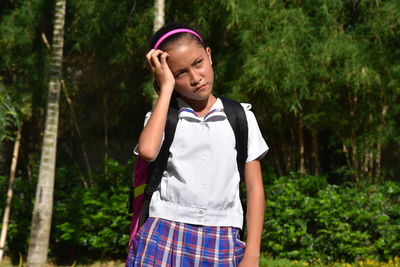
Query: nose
{"x":195,"y":78}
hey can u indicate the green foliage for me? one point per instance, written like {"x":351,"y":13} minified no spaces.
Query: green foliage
{"x":92,"y":223}
{"x":318,"y":66}
{"x":8,"y":115}
{"x":323,"y":72}
{"x":279,"y":263}
{"x":20,"y":34}
{"x":308,"y":219}
{"x":20,"y":214}
{"x":88,"y":223}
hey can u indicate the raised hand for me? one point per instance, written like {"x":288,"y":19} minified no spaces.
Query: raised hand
{"x":156,"y":61}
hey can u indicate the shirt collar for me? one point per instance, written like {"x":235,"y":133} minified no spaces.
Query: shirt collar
{"x":216,"y":111}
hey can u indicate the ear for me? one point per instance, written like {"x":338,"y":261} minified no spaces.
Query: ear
{"x":208,"y":50}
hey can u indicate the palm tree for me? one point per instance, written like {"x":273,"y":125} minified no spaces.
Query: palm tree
{"x":159,"y":14}
{"x":42,"y":211}
{"x":159,"y":20}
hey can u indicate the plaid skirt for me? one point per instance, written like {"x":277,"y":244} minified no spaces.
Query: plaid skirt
{"x":162,"y":242}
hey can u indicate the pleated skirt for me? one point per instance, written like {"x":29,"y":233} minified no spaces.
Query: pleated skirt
{"x":162,"y":242}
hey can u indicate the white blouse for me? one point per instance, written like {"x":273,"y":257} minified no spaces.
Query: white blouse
{"x":201,"y":183}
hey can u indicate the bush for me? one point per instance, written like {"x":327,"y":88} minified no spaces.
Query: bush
{"x":307,"y":219}
{"x":89,"y":224}
{"x":20,"y":214}
{"x":93,"y":223}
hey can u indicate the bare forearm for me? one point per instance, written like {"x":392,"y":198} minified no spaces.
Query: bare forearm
{"x":255,"y":221}
{"x":151,"y":137}
{"x":255,"y":212}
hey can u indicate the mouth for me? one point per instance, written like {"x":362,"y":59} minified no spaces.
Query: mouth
{"x":199,"y":88}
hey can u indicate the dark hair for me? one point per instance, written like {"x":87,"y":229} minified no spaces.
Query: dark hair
{"x":175,"y":37}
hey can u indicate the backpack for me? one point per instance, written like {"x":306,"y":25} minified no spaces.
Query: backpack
{"x":147,"y":175}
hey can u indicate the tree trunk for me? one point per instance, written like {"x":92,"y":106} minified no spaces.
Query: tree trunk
{"x":314,"y":153}
{"x":278,"y":165}
{"x":300,"y":136}
{"x":290,"y":152}
{"x":159,"y":14}
{"x":368,"y":159}
{"x":346,"y":152}
{"x":42,"y":210}
{"x":105,"y":121}
{"x":378,"y":158}
{"x":354,"y":156}
{"x":7,"y":209}
{"x":354,"y":153}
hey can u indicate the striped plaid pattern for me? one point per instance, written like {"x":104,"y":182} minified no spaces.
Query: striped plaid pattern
{"x":161,"y":242}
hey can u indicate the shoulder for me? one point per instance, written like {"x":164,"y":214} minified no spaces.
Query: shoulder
{"x":246,"y":106}
{"x":249,"y":113}
{"x":228,"y":102}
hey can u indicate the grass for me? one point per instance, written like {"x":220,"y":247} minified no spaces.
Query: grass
{"x":264,"y":262}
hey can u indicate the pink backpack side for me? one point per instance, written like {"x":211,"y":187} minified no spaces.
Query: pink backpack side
{"x":139,"y":184}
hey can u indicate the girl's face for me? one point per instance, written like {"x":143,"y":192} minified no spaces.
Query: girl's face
{"x":191,"y":66}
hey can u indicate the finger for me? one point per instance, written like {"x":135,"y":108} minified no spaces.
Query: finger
{"x":154,"y":60}
{"x":148,"y":55}
{"x":163,"y":58}
{"x":148,"y":61}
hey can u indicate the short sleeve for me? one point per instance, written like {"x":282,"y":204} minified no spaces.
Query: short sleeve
{"x":257,"y":148}
{"x":146,"y":119}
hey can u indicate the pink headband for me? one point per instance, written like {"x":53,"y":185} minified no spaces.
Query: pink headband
{"x":168,"y":34}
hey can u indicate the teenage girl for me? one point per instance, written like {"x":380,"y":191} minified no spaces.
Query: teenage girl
{"x":195,"y":215}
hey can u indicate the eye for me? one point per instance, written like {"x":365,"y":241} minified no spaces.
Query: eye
{"x":198,"y":62}
{"x":180,"y":73}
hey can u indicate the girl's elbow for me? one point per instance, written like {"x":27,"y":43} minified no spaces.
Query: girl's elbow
{"x":147,"y":154}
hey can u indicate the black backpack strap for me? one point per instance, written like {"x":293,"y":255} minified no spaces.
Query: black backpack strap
{"x":237,"y":119}
{"x":159,"y":165}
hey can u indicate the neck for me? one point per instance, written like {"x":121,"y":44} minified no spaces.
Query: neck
{"x":201,"y":107}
